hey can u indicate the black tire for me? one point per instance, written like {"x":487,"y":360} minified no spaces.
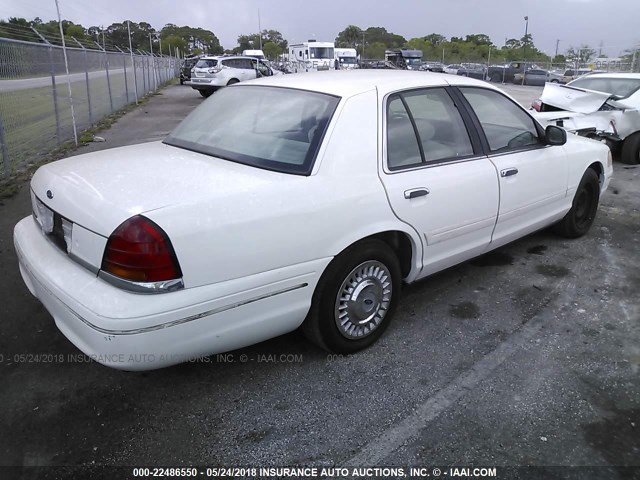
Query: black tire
{"x":232,"y":81}
{"x":205,"y":93}
{"x":321,"y":325}
{"x":496,"y":77}
{"x":631,"y":149}
{"x":555,"y":80}
{"x":579,"y":219}
{"x":181,"y":81}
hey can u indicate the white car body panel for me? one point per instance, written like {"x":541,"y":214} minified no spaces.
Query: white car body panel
{"x":536,"y":192}
{"x":252,"y":244}
{"x":455,"y":224}
{"x":573,"y":99}
{"x":581,"y":109}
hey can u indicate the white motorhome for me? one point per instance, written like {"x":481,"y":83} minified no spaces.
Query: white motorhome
{"x":347,"y":58}
{"x":254,"y":53}
{"x":311,"y":56}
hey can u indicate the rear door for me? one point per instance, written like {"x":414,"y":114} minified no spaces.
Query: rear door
{"x":436,"y":177}
{"x":533,"y":175}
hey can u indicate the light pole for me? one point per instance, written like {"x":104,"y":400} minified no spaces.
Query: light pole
{"x":524,"y":53}
{"x":259,"y":30}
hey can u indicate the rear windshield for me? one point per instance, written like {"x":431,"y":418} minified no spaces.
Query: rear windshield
{"x":274,"y":128}
{"x":206,"y":63}
{"x":620,"y":87}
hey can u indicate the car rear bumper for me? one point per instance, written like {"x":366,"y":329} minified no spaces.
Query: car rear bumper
{"x":205,"y":83}
{"x":155,"y":339}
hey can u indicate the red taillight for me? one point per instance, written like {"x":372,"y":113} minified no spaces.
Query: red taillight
{"x":536,"y":105}
{"x":139,"y":251}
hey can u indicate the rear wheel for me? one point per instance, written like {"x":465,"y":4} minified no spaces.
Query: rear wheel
{"x":232,"y":81}
{"x":355,"y":299}
{"x":631,"y":149}
{"x":579,"y":219}
{"x":496,"y":77}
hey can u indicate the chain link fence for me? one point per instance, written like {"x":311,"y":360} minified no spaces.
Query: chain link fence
{"x":35,"y":98}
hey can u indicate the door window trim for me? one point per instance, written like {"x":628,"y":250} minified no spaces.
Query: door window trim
{"x":476,"y":121}
{"x":471,"y":130}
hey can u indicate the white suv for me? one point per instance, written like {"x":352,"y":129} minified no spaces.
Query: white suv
{"x":211,"y":73}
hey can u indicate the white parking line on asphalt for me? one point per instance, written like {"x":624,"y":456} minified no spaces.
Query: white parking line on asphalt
{"x":376,"y":451}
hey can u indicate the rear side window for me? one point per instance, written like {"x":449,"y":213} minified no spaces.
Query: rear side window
{"x":505,"y":124}
{"x":424,"y":126}
{"x":206,"y":63}
{"x":402,"y":143}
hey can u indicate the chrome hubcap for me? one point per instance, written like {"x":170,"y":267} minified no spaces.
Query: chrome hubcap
{"x":363,"y":300}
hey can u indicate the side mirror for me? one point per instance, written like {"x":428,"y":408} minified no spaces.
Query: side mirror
{"x":555,"y":135}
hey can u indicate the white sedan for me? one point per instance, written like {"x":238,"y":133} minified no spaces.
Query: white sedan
{"x":294,"y":201}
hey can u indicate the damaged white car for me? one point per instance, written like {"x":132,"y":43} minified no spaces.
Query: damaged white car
{"x":603,"y":106}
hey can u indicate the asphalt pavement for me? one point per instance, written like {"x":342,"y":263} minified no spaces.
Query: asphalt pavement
{"x":529,"y":355}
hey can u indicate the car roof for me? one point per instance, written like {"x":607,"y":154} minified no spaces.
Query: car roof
{"x":224,"y":57}
{"x":635,"y":76}
{"x":348,"y":83}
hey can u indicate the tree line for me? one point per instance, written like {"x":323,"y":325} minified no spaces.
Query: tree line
{"x":144,"y":37}
{"x":373,"y":41}
{"x":370,"y":43}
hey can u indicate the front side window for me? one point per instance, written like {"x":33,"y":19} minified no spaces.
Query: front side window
{"x":246,"y":64}
{"x":424,"y":126}
{"x":267,"y":127}
{"x":505,"y":124}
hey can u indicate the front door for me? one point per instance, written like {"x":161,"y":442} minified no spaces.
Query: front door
{"x":533,"y":176}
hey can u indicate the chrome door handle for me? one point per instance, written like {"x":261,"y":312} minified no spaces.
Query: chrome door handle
{"x":507,"y":172}
{"x":415,"y":193}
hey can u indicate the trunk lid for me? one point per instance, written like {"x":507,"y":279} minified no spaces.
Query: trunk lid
{"x":100,"y":190}
{"x":573,"y":99}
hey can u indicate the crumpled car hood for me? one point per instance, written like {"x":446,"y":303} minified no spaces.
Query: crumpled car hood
{"x":577,"y":100}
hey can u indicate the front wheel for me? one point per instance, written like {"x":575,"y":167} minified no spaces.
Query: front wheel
{"x":205,"y":93}
{"x":355,"y":299}
{"x":631,"y":149}
{"x":496,"y":77}
{"x":579,"y":219}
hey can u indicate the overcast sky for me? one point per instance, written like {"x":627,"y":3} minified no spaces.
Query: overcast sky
{"x":612,"y":23}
